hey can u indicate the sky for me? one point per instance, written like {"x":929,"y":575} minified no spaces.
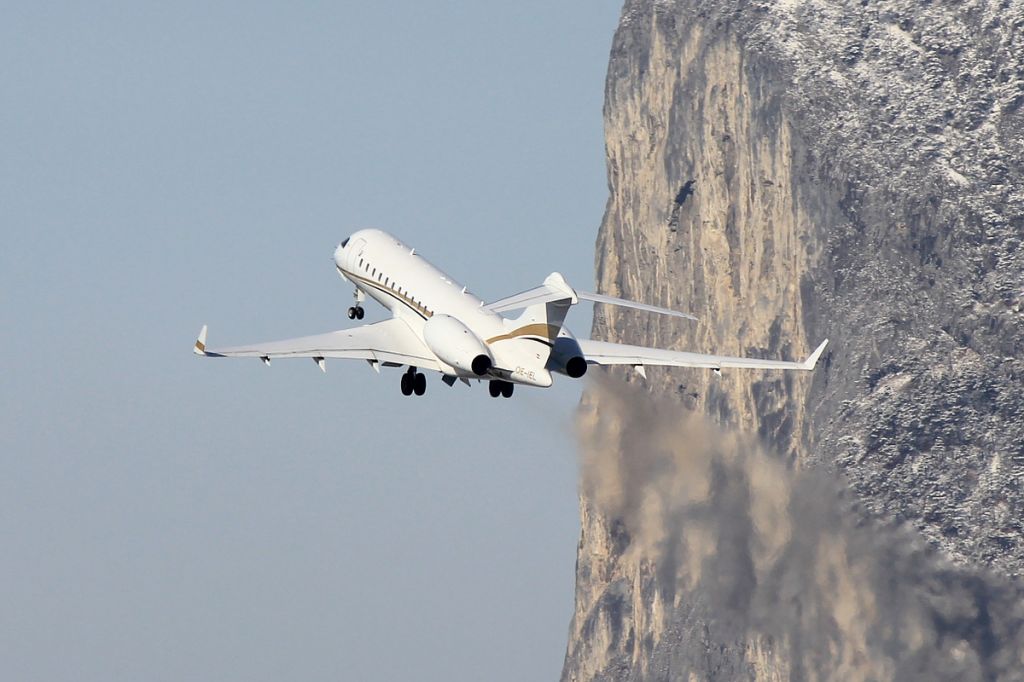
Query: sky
{"x":165,"y":166}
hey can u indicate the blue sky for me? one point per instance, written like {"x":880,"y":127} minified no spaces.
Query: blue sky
{"x":164,"y":517}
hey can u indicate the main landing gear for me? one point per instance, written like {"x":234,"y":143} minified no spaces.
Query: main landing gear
{"x":414,"y":382}
{"x":498,"y":387}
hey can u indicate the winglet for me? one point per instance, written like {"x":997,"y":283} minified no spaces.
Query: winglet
{"x":200,"y":347}
{"x":812,"y":359}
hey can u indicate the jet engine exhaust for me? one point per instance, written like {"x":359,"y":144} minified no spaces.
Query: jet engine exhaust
{"x":576,"y":367}
{"x":481,"y":365}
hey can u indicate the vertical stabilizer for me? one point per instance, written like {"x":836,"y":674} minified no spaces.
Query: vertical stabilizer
{"x":546,"y":319}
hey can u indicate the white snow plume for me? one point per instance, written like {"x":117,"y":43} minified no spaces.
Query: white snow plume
{"x":731,"y":536}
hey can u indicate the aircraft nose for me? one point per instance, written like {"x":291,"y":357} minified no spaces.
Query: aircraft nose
{"x":339,"y":255}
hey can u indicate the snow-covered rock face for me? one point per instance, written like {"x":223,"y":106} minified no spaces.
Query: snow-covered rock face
{"x":797,"y":170}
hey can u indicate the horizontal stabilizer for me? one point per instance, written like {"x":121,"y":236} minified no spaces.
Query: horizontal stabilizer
{"x":524,"y":299}
{"x":623,"y":303}
{"x":554,"y":288}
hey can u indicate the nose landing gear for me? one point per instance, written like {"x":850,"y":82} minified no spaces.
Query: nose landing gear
{"x":356,"y":311}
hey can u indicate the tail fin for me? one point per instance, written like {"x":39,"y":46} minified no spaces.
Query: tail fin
{"x":547,"y":317}
{"x":543,"y":319}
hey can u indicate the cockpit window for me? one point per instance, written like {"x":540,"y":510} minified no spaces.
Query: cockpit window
{"x":345,"y":243}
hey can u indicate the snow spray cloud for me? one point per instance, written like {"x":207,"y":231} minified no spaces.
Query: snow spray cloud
{"x":760,"y":550}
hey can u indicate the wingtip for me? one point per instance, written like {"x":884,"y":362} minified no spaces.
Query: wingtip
{"x":812,"y":360}
{"x":200,"y":347}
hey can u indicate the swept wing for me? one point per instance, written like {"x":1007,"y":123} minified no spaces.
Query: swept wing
{"x":607,"y":353}
{"x":390,"y":341}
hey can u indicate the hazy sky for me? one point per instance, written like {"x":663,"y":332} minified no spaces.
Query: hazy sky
{"x":166,"y":517}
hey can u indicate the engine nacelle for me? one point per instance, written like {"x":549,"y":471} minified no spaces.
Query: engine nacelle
{"x":454,"y":343}
{"x":567,"y":358}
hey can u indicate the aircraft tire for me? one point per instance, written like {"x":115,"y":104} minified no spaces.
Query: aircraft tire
{"x":351,"y":313}
{"x":359,"y":312}
{"x":507,"y":388}
{"x":407,"y":386}
{"x":419,"y":384}
{"x":494,"y":388}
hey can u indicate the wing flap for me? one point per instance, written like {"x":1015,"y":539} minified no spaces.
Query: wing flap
{"x":390,"y":341}
{"x":607,"y":353}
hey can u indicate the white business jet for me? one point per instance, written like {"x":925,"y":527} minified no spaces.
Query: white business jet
{"x":438,"y":325}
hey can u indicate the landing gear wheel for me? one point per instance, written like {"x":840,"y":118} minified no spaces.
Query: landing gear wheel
{"x":407,"y":384}
{"x":351,"y":313}
{"x":419,"y":384}
{"x":359,"y":312}
{"x":506,"y":389}
{"x":494,"y":388}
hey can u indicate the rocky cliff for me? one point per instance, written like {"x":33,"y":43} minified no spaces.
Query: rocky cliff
{"x":791,"y":171}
